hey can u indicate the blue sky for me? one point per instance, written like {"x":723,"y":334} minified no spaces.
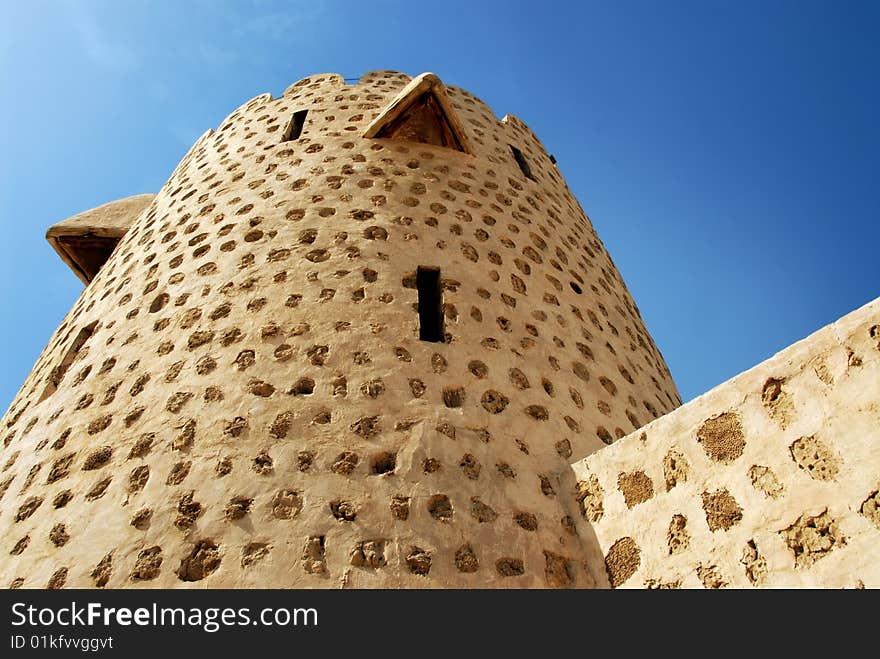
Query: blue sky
{"x":725,"y":151}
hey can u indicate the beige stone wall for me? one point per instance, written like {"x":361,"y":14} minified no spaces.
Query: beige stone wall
{"x":253,"y":406}
{"x":769,"y":480}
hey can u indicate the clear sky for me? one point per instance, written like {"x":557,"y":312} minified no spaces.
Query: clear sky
{"x":726,"y":152}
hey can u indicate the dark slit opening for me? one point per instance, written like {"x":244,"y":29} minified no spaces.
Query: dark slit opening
{"x":522,"y":162}
{"x":430,"y":304}
{"x":59,"y":371}
{"x":295,"y":127}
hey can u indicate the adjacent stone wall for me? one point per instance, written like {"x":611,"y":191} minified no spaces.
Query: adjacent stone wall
{"x":769,"y":480}
{"x":240,"y":397}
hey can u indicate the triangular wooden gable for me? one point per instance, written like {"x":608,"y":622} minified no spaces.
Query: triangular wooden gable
{"x":421,"y":113}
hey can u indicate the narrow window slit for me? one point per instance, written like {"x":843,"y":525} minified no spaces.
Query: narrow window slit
{"x":295,"y":127}
{"x":59,"y":371}
{"x":522,"y":162}
{"x":430,"y":304}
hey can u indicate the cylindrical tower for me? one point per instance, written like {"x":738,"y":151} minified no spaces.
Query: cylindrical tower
{"x":351,"y":343}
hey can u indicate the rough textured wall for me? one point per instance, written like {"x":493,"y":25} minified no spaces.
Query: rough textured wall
{"x":240,"y":397}
{"x":769,"y":480}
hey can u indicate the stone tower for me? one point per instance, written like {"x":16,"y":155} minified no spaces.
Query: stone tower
{"x":352,"y":342}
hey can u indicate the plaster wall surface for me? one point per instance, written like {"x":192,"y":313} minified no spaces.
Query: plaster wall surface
{"x":769,"y":480}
